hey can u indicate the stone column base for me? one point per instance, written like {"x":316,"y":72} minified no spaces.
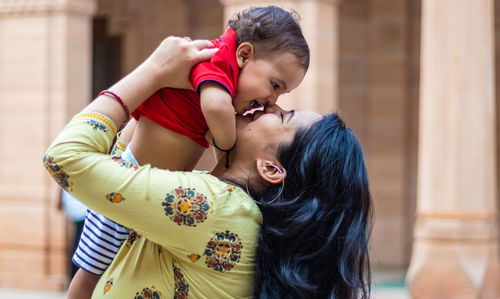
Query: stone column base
{"x":454,"y":259}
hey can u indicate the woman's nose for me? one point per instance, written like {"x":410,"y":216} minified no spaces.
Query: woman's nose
{"x":272,"y":108}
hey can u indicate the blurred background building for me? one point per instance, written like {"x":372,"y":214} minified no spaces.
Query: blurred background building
{"x":367,"y":62}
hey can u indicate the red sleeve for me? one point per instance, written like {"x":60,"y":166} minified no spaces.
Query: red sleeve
{"x":207,"y":71}
{"x":222,"y":67}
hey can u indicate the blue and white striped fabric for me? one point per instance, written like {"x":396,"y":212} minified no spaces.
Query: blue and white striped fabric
{"x":99,"y":243}
{"x":101,"y":238}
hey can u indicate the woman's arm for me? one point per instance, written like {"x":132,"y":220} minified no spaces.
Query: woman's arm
{"x":126,"y":193}
{"x":168,"y":66}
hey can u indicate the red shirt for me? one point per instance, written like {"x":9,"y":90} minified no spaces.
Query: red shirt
{"x":179,"y":110}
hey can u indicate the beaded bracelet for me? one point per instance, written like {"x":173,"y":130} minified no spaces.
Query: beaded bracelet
{"x":117,"y":98}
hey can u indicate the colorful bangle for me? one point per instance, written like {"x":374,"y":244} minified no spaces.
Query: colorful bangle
{"x":117,"y":98}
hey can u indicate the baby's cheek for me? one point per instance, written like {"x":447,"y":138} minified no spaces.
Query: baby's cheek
{"x":239,"y":106}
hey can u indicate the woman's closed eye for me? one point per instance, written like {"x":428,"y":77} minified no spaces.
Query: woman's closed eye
{"x":282,"y":117}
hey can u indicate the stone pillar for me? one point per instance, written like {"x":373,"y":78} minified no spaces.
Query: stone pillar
{"x":45,"y":72}
{"x":143,"y":25}
{"x":455,"y":251}
{"x":319,"y":22}
{"x":377,"y":103}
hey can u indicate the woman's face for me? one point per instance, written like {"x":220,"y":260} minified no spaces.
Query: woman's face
{"x":261,"y":133}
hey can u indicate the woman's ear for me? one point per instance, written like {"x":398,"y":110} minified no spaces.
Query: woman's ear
{"x":270,"y":171}
{"x":244,"y":52}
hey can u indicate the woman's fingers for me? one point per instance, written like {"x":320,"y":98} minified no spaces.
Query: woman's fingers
{"x":173,"y":59}
{"x":202,"y":44}
{"x":205,"y":54}
{"x":204,"y":50}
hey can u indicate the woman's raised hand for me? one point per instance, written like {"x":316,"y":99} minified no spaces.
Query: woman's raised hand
{"x":172,"y":61}
{"x":168,"y":66}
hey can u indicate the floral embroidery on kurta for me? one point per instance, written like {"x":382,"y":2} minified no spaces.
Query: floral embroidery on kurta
{"x":108,"y":285}
{"x":120,"y":144}
{"x":115,"y":197}
{"x":181,"y":287}
{"x":57,"y":172}
{"x":126,"y":164}
{"x":194,"y":257}
{"x":187,"y":207}
{"x":98,"y":119}
{"x":118,"y":147}
{"x":148,"y":293}
{"x":115,"y":150}
{"x":223,"y":251}
{"x":97,"y":125}
{"x":132,"y":237}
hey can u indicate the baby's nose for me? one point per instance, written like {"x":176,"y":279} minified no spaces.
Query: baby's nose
{"x":272,"y":108}
{"x":272,"y":99}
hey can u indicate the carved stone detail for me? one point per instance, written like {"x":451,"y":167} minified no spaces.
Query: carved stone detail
{"x":264,"y":2}
{"x":454,"y":269}
{"x":17,"y":7}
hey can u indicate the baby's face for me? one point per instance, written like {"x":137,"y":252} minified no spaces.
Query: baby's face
{"x":262,"y":80}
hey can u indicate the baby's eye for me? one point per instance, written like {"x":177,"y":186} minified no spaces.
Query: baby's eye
{"x":274,"y":85}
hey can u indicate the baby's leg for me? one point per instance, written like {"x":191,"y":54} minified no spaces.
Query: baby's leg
{"x":82,"y":286}
{"x":162,"y":148}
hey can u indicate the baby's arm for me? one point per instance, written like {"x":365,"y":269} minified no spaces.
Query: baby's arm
{"x":216,"y":105}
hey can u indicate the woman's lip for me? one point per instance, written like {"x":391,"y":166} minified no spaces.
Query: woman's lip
{"x":251,"y":115}
{"x":256,"y":114}
{"x":248,"y":116}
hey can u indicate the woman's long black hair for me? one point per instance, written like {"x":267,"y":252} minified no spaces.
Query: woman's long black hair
{"x":314,"y":238}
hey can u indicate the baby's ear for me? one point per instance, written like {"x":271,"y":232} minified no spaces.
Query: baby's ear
{"x":244,"y":53}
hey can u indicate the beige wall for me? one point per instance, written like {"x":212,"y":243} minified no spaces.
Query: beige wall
{"x":379,"y":98}
{"x":44,"y":78}
{"x":497,"y":90}
{"x":144,"y":24}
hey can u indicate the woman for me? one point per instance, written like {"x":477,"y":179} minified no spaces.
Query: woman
{"x":288,"y":218}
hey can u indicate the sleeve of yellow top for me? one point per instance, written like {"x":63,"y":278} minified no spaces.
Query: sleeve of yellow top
{"x":119,"y":146}
{"x":134,"y":196}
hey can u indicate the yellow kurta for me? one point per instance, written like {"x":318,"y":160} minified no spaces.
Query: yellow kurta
{"x":193,"y":235}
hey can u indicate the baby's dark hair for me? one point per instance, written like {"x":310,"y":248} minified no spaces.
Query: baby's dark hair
{"x":270,"y":29}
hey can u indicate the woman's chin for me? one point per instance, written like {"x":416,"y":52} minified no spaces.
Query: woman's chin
{"x":243,"y":120}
